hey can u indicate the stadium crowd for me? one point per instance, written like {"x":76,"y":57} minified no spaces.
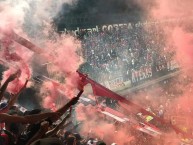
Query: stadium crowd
{"x":121,"y":51}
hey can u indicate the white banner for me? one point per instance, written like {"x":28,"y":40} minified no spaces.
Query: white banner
{"x":115,"y":83}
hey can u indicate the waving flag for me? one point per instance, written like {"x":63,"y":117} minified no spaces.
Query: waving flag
{"x":100,"y":90}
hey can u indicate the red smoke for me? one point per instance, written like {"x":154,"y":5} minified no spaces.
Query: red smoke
{"x":179,"y":39}
{"x":94,"y":125}
{"x":60,"y":50}
{"x":65,"y":58}
{"x":62,"y":54}
{"x":17,"y":58}
{"x":171,"y":9}
{"x":183,"y":42}
{"x":50,"y":94}
{"x":48,"y":103}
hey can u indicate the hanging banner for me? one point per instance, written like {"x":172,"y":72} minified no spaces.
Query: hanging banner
{"x":142,"y":74}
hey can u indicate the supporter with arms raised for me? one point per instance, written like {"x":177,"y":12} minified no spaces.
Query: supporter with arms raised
{"x":39,"y":129}
{"x":5,"y":84}
{"x":13,"y":99}
{"x":8,"y":119}
{"x":28,"y":118}
{"x":44,"y":131}
{"x":5,"y":106}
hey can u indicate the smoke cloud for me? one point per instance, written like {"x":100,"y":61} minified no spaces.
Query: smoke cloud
{"x":178,"y":38}
{"x":33,"y":20}
{"x":94,"y":125}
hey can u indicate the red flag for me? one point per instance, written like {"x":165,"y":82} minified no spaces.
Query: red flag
{"x":100,"y":90}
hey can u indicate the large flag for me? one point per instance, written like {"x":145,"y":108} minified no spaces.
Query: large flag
{"x":100,"y":90}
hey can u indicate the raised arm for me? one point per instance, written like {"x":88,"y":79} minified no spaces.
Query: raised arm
{"x":9,"y":79}
{"x":26,"y":119}
{"x":55,"y":130}
{"x":14,"y":97}
{"x":41,"y":132}
{"x":63,"y":109}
